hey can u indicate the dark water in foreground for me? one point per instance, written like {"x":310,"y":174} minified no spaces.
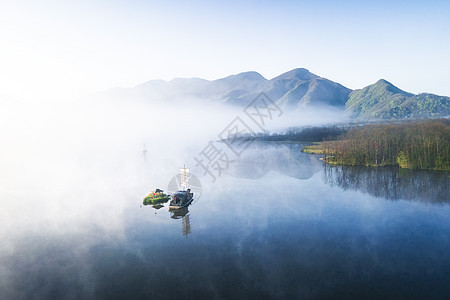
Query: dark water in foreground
{"x":279,"y":224}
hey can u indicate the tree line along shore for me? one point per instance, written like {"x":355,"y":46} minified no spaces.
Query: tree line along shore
{"x":417,"y":145}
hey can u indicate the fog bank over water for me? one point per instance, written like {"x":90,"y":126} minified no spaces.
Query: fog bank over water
{"x":96,"y":142}
{"x":74,"y":174}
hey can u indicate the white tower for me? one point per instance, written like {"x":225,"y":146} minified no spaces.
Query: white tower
{"x":184,"y":178}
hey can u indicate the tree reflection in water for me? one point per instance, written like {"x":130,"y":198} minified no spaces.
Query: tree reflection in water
{"x":391,"y":183}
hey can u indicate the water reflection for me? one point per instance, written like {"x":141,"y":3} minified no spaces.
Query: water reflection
{"x":179,"y":202}
{"x":285,"y":158}
{"x":313,"y":242}
{"x":179,"y":213}
{"x":182,"y":214}
{"x":157,"y":206}
{"x":391,"y":183}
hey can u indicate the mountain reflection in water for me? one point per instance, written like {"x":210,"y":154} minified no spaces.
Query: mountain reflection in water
{"x":388,"y":183}
{"x":284,"y":158}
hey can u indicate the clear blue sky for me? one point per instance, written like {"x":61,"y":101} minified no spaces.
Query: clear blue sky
{"x":51,"y":47}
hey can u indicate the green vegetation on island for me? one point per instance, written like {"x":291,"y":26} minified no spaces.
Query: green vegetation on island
{"x":417,"y":145}
{"x":155,"y":197}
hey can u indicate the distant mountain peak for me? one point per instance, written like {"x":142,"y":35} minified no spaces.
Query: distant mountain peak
{"x":250,"y":75}
{"x":153,"y":82}
{"x":298,"y":73}
{"x":383,"y":81}
{"x":387,"y":86}
{"x":180,"y":79}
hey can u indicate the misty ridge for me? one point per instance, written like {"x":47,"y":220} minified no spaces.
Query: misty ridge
{"x":295,"y":91}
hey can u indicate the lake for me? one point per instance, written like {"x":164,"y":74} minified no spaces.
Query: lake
{"x":275,"y":223}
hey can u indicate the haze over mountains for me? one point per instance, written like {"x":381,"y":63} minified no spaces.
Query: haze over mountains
{"x":300,"y":89}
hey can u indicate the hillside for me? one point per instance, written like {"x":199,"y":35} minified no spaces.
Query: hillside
{"x":316,"y":92}
{"x":383,"y":100}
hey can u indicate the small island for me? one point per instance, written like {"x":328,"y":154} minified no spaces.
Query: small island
{"x":156,"y":197}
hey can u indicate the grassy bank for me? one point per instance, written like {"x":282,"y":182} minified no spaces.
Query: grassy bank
{"x":419,"y":145}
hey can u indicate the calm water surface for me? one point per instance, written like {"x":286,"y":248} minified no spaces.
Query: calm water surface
{"x":277,"y":224}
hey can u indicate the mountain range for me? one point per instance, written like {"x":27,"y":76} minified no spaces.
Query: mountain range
{"x":298,"y":89}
